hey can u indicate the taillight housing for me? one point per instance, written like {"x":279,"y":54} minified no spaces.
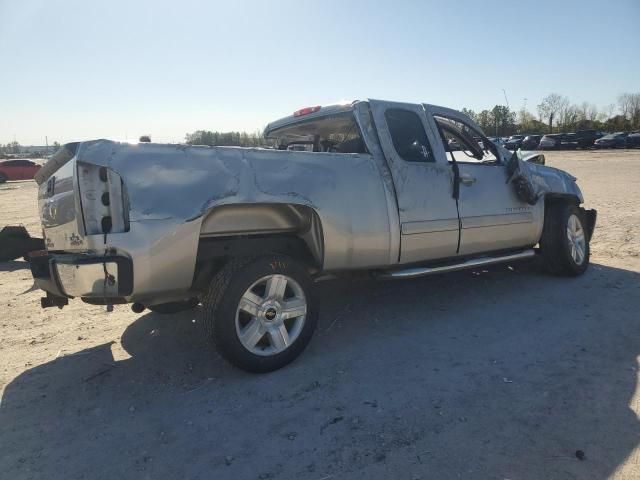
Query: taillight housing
{"x":103,"y":200}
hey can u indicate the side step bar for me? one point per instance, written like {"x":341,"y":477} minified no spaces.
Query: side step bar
{"x":475,"y":262}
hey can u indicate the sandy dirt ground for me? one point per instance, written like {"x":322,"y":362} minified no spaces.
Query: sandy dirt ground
{"x":492,"y":374}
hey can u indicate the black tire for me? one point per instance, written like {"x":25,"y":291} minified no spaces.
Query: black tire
{"x":555,"y":245}
{"x":174,"y":307}
{"x":3,"y":178}
{"x":221,"y":302}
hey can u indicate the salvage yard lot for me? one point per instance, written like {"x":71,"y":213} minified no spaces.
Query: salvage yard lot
{"x":497,"y":373}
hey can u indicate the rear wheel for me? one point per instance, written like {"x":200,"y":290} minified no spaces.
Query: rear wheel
{"x":3,"y":177}
{"x":260,"y":312}
{"x":565,"y":243}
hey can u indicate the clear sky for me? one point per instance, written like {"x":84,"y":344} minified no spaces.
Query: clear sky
{"x":75,"y":70}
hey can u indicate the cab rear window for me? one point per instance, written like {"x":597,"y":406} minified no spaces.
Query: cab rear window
{"x":333,"y":133}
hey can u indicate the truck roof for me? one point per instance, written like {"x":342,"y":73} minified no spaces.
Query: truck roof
{"x":309,"y":113}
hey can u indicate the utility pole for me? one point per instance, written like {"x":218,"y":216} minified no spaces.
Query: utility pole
{"x":46,"y":142}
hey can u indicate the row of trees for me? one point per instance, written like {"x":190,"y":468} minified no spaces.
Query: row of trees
{"x":10,"y":148}
{"x":557,"y":114}
{"x":227,"y":139}
{"x":14,"y":148}
{"x":499,"y":121}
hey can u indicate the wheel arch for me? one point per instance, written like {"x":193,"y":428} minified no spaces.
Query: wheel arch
{"x":571,"y":199}
{"x":286,"y":228}
{"x":549,"y":200}
{"x":555,"y":198}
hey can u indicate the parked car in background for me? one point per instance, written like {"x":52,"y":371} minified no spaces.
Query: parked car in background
{"x":569,"y":141}
{"x":613,"y":140}
{"x":586,"y":138}
{"x":497,"y":140}
{"x":551,"y":141}
{"x":17,"y":170}
{"x":633,"y":140}
{"x":514,"y":142}
{"x":531,"y":142}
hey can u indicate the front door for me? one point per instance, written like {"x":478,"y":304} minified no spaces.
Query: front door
{"x":423,"y":181}
{"x":491,"y":215}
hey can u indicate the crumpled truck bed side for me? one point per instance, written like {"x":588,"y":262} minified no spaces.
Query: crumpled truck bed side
{"x":171,"y":188}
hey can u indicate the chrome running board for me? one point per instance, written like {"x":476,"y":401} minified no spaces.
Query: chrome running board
{"x":474,"y":262}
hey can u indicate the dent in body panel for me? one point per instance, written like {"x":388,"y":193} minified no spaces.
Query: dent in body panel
{"x":532,"y":181}
{"x":174,"y":187}
{"x":364,"y":119}
{"x":369,"y":133}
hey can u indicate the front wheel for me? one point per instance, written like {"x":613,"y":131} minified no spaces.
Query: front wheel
{"x":565,"y":242}
{"x":260,"y":312}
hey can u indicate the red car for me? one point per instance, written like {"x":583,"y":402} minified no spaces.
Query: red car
{"x":17,"y":170}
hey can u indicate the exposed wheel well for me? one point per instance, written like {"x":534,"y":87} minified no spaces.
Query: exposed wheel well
{"x":552,"y":199}
{"x":215,"y":253}
{"x":241,"y":230}
{"x":555,"y":198}
{"x":277,"y":219}
{"x":212,"y":249}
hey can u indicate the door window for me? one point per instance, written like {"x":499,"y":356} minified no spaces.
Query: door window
{"x":463,"y":142}
{"x":408,"y":135}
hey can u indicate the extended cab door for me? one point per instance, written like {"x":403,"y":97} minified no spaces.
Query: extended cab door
{"x":491,"y":214}
{"x":423,"y":181}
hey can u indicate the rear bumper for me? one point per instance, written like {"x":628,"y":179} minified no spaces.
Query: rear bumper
{"x":83,"y":275}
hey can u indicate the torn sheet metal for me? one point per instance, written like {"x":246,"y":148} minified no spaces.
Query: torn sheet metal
{"x":532,"y":181}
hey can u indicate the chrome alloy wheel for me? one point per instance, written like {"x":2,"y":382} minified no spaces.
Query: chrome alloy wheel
{"x":271,"y":314}
{"x":577,"y":241}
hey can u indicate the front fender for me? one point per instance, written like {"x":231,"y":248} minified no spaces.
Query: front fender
{"x":533,"y":181}
{"x":555,"y":181}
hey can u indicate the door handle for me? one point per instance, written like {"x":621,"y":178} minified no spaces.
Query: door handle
{"x":467,"y":179}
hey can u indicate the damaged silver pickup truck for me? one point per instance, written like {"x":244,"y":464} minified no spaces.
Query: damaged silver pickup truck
{"x":369,"y":188}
